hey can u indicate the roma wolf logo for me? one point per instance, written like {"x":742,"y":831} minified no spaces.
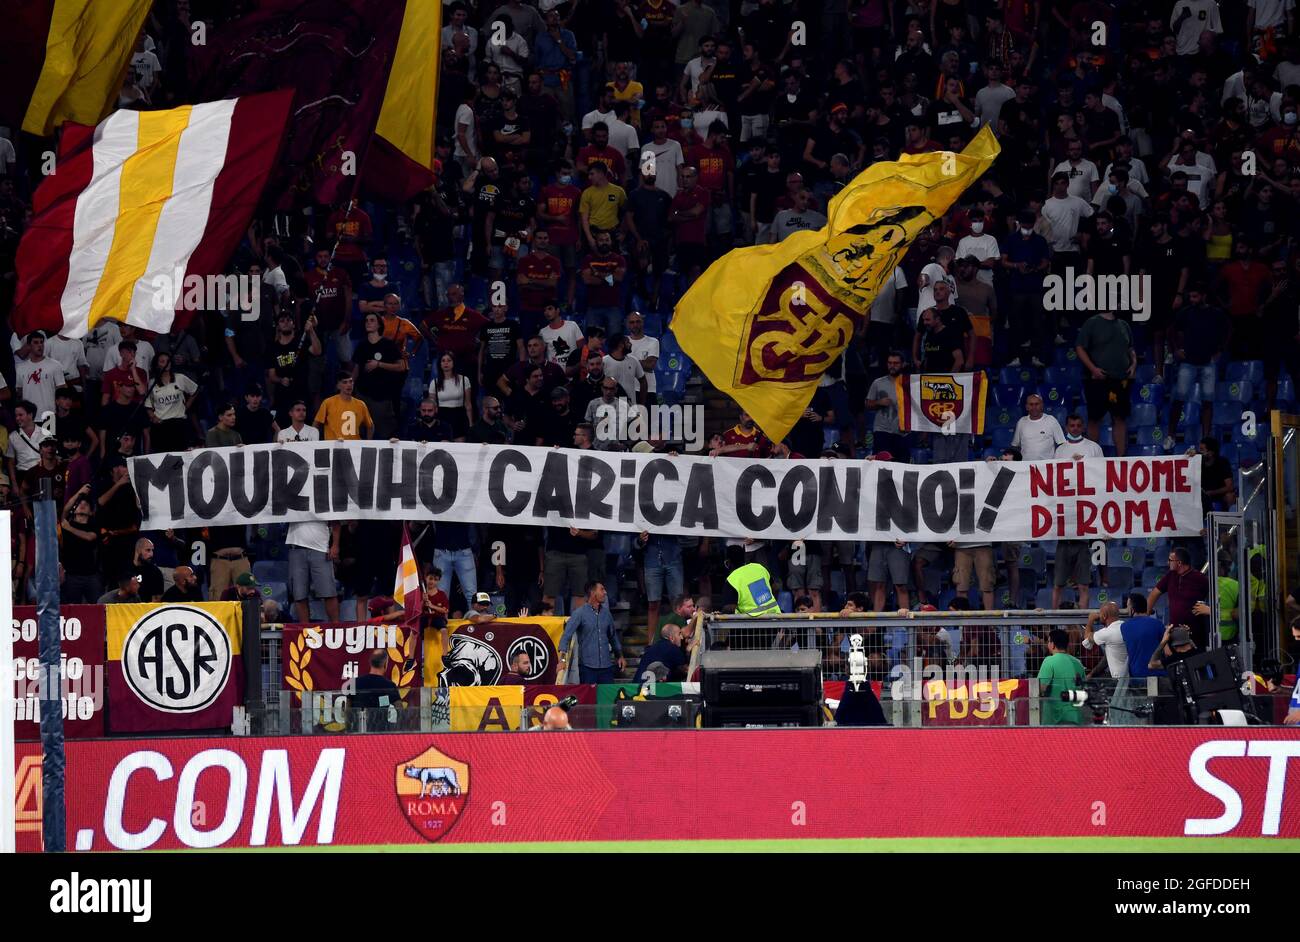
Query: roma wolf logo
{"x":434,"y":782}
{"x":942,"y":398}
{"x":432,"y":791}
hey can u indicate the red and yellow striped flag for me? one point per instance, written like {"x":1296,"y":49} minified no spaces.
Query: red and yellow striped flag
{"x":140,"y":204}
{"x":407,"y":591}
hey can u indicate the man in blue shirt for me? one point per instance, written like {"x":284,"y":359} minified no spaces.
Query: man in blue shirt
{"x":599,"y":646}
{"x":1142,"y":634}
{"x":666,"y":651}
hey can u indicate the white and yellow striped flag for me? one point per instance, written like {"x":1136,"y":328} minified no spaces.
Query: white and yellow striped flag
{"x":141,"y":207}
{"x":407,"y":591}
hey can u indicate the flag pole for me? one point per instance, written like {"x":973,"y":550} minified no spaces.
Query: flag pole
{"x":47,"y":611}
{"x":8,"y":828}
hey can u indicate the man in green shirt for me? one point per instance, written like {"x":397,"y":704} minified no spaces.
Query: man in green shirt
{"x":1105,"y":348}
{"x":1061,"y":671}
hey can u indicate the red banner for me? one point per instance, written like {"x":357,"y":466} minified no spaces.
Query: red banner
{"x":408,"y":789}
{"x":82,"y":630}
{"x":331,"y":656}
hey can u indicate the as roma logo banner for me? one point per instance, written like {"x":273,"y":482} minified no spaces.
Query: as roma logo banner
{"x":480,"y":654}
{"x":952,"y":403}
{"x":432,"y":790}
{"x":541,"y":697}
{"x":174,"y":667}
{"x":331,"y":656}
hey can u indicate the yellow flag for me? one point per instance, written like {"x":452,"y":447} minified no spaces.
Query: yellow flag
{"x":88,"y":44}
{"x":765,"y":322}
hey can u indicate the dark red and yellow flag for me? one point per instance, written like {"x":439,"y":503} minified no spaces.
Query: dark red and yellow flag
{"x":765,"y":322}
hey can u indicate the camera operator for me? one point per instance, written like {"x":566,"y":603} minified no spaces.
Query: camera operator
{"x":1061,"y":672}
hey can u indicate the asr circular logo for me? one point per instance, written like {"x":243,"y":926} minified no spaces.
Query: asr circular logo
{"x":177,"y":659}
{"x":539,"y":655}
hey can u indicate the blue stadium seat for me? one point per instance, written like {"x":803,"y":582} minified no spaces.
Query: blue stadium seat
{"x":654,"y":323}
{"x":786,"y":601}
{"x":1008,"y":396}
{"x":668,"y":344}
{"x":1043,"y":598}
{"x":1065,"y":356}
{"x":1001,"y":437}
{"x":1003,"y":417}
{"x":1145,"y":373}
{"x":1235,"y":391}
{"x":1030,"y":579}
{"x":1033,"y":557}
{"x":1251,"y":371}
{"x":1151,"y":575}
{"x":1117,"y":554}
{"x":1103,"y":594}
{"x":1056,"y":397}
{"x":1151,"y":435}
{"x":932,"y":580}
{"x":1285,"y":390}
{"x":1143,"y":415}
{"x":1247,"y":454}
{"x":1191,"y":417}
{"x":670,"y":384}
{"x":271,"y":570}
{"x":1067,"y":377}
{"x":1228,"y":413}
{"x":1119,"y":578}
{"x":1156,"y":548}
{"x":1018,"y":376}
{"x":1153,"y":393}
{"x":921,"y":455}
{"x":1105,"y":436}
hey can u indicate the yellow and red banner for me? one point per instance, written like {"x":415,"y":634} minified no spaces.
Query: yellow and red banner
{"x":765,"y":322}
{"x":144,"y":208}
{"x":174,"y":667}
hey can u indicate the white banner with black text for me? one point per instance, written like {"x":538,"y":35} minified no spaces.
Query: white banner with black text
{"x":827,"y":499}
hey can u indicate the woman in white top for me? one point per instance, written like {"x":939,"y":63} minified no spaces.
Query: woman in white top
{"x":453,"y":394}
{"x":168,"y":404}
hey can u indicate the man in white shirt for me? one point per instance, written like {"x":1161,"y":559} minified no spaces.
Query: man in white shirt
{"x":1189,"y":19}
{"x":802,"y":218}
{"x":1037,"y":434}
{"x":313,"y":547}
{"x":981,"y":245}
{"x":645,"y":350}
{"x":1269,"y":14}
{"x":696,"y":67}
{"x":938,"y":270}
{"x":668,"y":156}
{"x":38,"y":377}
{"x":1082,"y":172}
{"x":1110,"y":636}
{"x":70,"y":353}
{"x":563,"y":340}
{"x":1199,"y":167}
{"x":604,"y":111}
{"x":298,"y":430}
{"x":1064,"y":212}
{"x":24,"y":449}
{"x":143,"y":351}
{"x":622,"y":366}
{"x":1073,"y":566}
{"x":458,"y":25}
{"x":990,"y":99}
{"x":102,"y":338}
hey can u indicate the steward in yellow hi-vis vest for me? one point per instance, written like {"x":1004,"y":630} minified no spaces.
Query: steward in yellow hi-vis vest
{"x":752,"y":583}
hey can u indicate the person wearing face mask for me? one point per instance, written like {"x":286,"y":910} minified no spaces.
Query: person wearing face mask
{"x":557,"y":213}
{"x":1284,"y":140}
{"x":981,"y":245}
{"x":1119,"y":185}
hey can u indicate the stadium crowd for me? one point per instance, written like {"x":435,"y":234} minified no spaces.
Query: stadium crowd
{"x":593,"y":159}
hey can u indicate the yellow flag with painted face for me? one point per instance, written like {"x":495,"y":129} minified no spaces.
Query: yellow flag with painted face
{"x":765,"y":322}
